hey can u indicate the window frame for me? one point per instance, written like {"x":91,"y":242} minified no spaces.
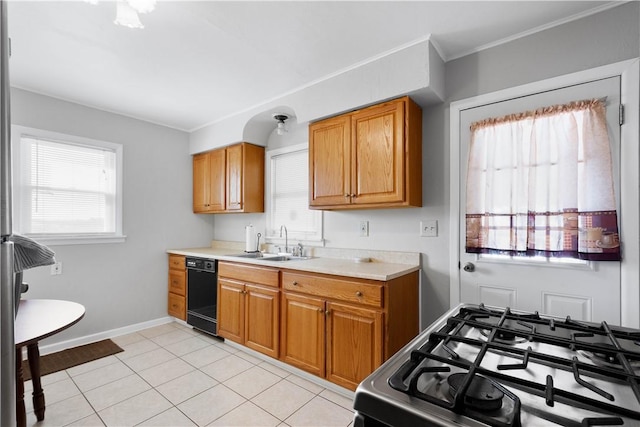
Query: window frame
{"x":18,"y":177}
{"x":275,"y":239}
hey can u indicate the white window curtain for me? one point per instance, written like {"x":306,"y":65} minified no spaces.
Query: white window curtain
{"x":540,"y":183}
{"x":66,"y":189}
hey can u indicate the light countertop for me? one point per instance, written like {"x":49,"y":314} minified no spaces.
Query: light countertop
{"x":378,"y":269}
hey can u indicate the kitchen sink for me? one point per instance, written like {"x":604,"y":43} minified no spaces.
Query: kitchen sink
{"x":287,"y":258}
{"x":250,"y":255}
{"x":269,"y":257}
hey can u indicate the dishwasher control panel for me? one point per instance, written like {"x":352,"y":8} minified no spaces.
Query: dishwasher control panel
{"x":201,"y":264}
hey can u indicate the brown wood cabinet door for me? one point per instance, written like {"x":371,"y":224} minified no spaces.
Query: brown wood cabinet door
{"x":178,"y":282}
{"x":354,"y":343}
{"x":302,"y":333}
{"x":177,"y":306}
{"x":201,"y":188}
{"x":231,"y":310}
{"x":378,"y":170}
{"x":217,"y":180}
{"x":329,"y":162}
{"x":234,"y":177}
{"x":262,"y":320}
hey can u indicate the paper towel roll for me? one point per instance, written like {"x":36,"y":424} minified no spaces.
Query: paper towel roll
{"x":250,"y":239}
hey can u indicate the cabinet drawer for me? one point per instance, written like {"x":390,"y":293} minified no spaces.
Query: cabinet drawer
{"x":177,"y":306}
{"x":177,"y":282}
{"x":176,"y":262}
{"x":249,"y":273}
{"x":335,"y":288}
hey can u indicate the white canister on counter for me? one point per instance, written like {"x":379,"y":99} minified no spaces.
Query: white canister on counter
{"x":250,"y":239}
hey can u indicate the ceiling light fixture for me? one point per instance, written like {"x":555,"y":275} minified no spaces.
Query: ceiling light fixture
{"x":127,"y":15}
{"x":127,"y":11}
{"x":280,"y":118}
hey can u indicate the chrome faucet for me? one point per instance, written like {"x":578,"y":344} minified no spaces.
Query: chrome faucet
{"x":286,"y":238}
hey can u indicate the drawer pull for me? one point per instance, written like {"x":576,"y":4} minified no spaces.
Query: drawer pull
{"x":359,"y":294}
{"x":295,"y":283}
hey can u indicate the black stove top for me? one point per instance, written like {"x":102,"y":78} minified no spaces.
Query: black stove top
{"x":496,"y":367}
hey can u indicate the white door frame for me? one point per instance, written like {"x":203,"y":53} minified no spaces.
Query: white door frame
{"x":629,"y":171}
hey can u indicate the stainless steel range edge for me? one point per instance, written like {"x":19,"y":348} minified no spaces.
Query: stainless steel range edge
{"x":487,"y":366}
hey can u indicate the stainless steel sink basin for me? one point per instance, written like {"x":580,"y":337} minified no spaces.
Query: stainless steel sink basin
{"x":269,"y":257}
{"x":287,"y":258}
{"x":249,"y":255}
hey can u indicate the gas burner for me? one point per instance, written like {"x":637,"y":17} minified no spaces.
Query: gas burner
{"x":503,"y":337}
{"x":481,"y":395}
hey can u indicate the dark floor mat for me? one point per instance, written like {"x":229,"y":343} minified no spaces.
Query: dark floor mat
{"x":71,"y":357}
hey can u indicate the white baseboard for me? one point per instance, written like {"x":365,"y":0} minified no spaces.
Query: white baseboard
{"x":88,"y":339}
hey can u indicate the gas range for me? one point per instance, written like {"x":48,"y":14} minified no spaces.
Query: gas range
{"x":486,"y":366}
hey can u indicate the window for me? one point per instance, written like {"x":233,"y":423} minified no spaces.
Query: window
{"x":66,"y":189}
{"x":288,"y":197}
{"x":540,"y":183}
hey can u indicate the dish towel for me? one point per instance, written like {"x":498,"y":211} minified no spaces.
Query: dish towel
{"x":29,"y":254}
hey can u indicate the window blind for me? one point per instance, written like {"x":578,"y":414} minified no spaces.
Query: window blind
{"x":67,"y":188}
{"x":289,"y":191}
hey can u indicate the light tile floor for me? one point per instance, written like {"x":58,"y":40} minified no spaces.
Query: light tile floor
{"x":172,"y":375}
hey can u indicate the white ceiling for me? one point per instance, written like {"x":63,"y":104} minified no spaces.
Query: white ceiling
{"x":198,"y":62}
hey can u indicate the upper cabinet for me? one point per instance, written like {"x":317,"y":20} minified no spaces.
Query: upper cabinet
{"x":229,"y":179}
{"x":370,"y":158}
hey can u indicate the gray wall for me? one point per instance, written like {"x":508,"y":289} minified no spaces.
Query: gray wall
{"x":120,"y":284}
{"x":607,"y":37}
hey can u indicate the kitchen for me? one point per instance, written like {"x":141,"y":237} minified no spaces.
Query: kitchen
{"x":131,"y":276}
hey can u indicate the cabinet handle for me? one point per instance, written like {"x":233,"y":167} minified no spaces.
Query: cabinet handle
{"x":295,"y":283}
{"x":354,"y":195}
{"x":346,"y":196}
{"x":320,"y":310}
{"x":358,"y":294}
{"x":327,"y":312}
{"x":243,"y":292}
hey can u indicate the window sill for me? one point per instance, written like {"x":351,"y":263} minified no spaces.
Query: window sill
{"x":77,"y":240}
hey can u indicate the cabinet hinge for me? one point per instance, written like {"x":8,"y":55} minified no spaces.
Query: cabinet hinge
{"x":621,"y":114}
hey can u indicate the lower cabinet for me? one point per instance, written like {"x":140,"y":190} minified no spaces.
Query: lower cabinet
{"x":354,"y":343}
{"x":337,"y":328}
{"x":339,"y":342}
{"x":248,"y":313}
{"x":303,"y":332}
{"x":342,"y":329}
{"x":177,"y":305}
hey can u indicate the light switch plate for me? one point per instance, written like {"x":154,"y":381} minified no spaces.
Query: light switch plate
{"x":364,"y":229}
{"x":429,"y":228}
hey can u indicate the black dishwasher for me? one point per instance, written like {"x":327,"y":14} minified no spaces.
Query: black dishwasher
{"x":202,"y":294}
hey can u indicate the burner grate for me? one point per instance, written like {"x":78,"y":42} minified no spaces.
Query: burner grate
{"x":616,"y":343}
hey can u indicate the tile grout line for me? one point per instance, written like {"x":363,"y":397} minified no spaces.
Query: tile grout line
{"x":253,"y":362}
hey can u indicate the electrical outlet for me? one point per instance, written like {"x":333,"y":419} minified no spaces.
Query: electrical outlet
{"x":364,"y":228}
{"x":429,"y":228}
{"x":56,"y":269}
